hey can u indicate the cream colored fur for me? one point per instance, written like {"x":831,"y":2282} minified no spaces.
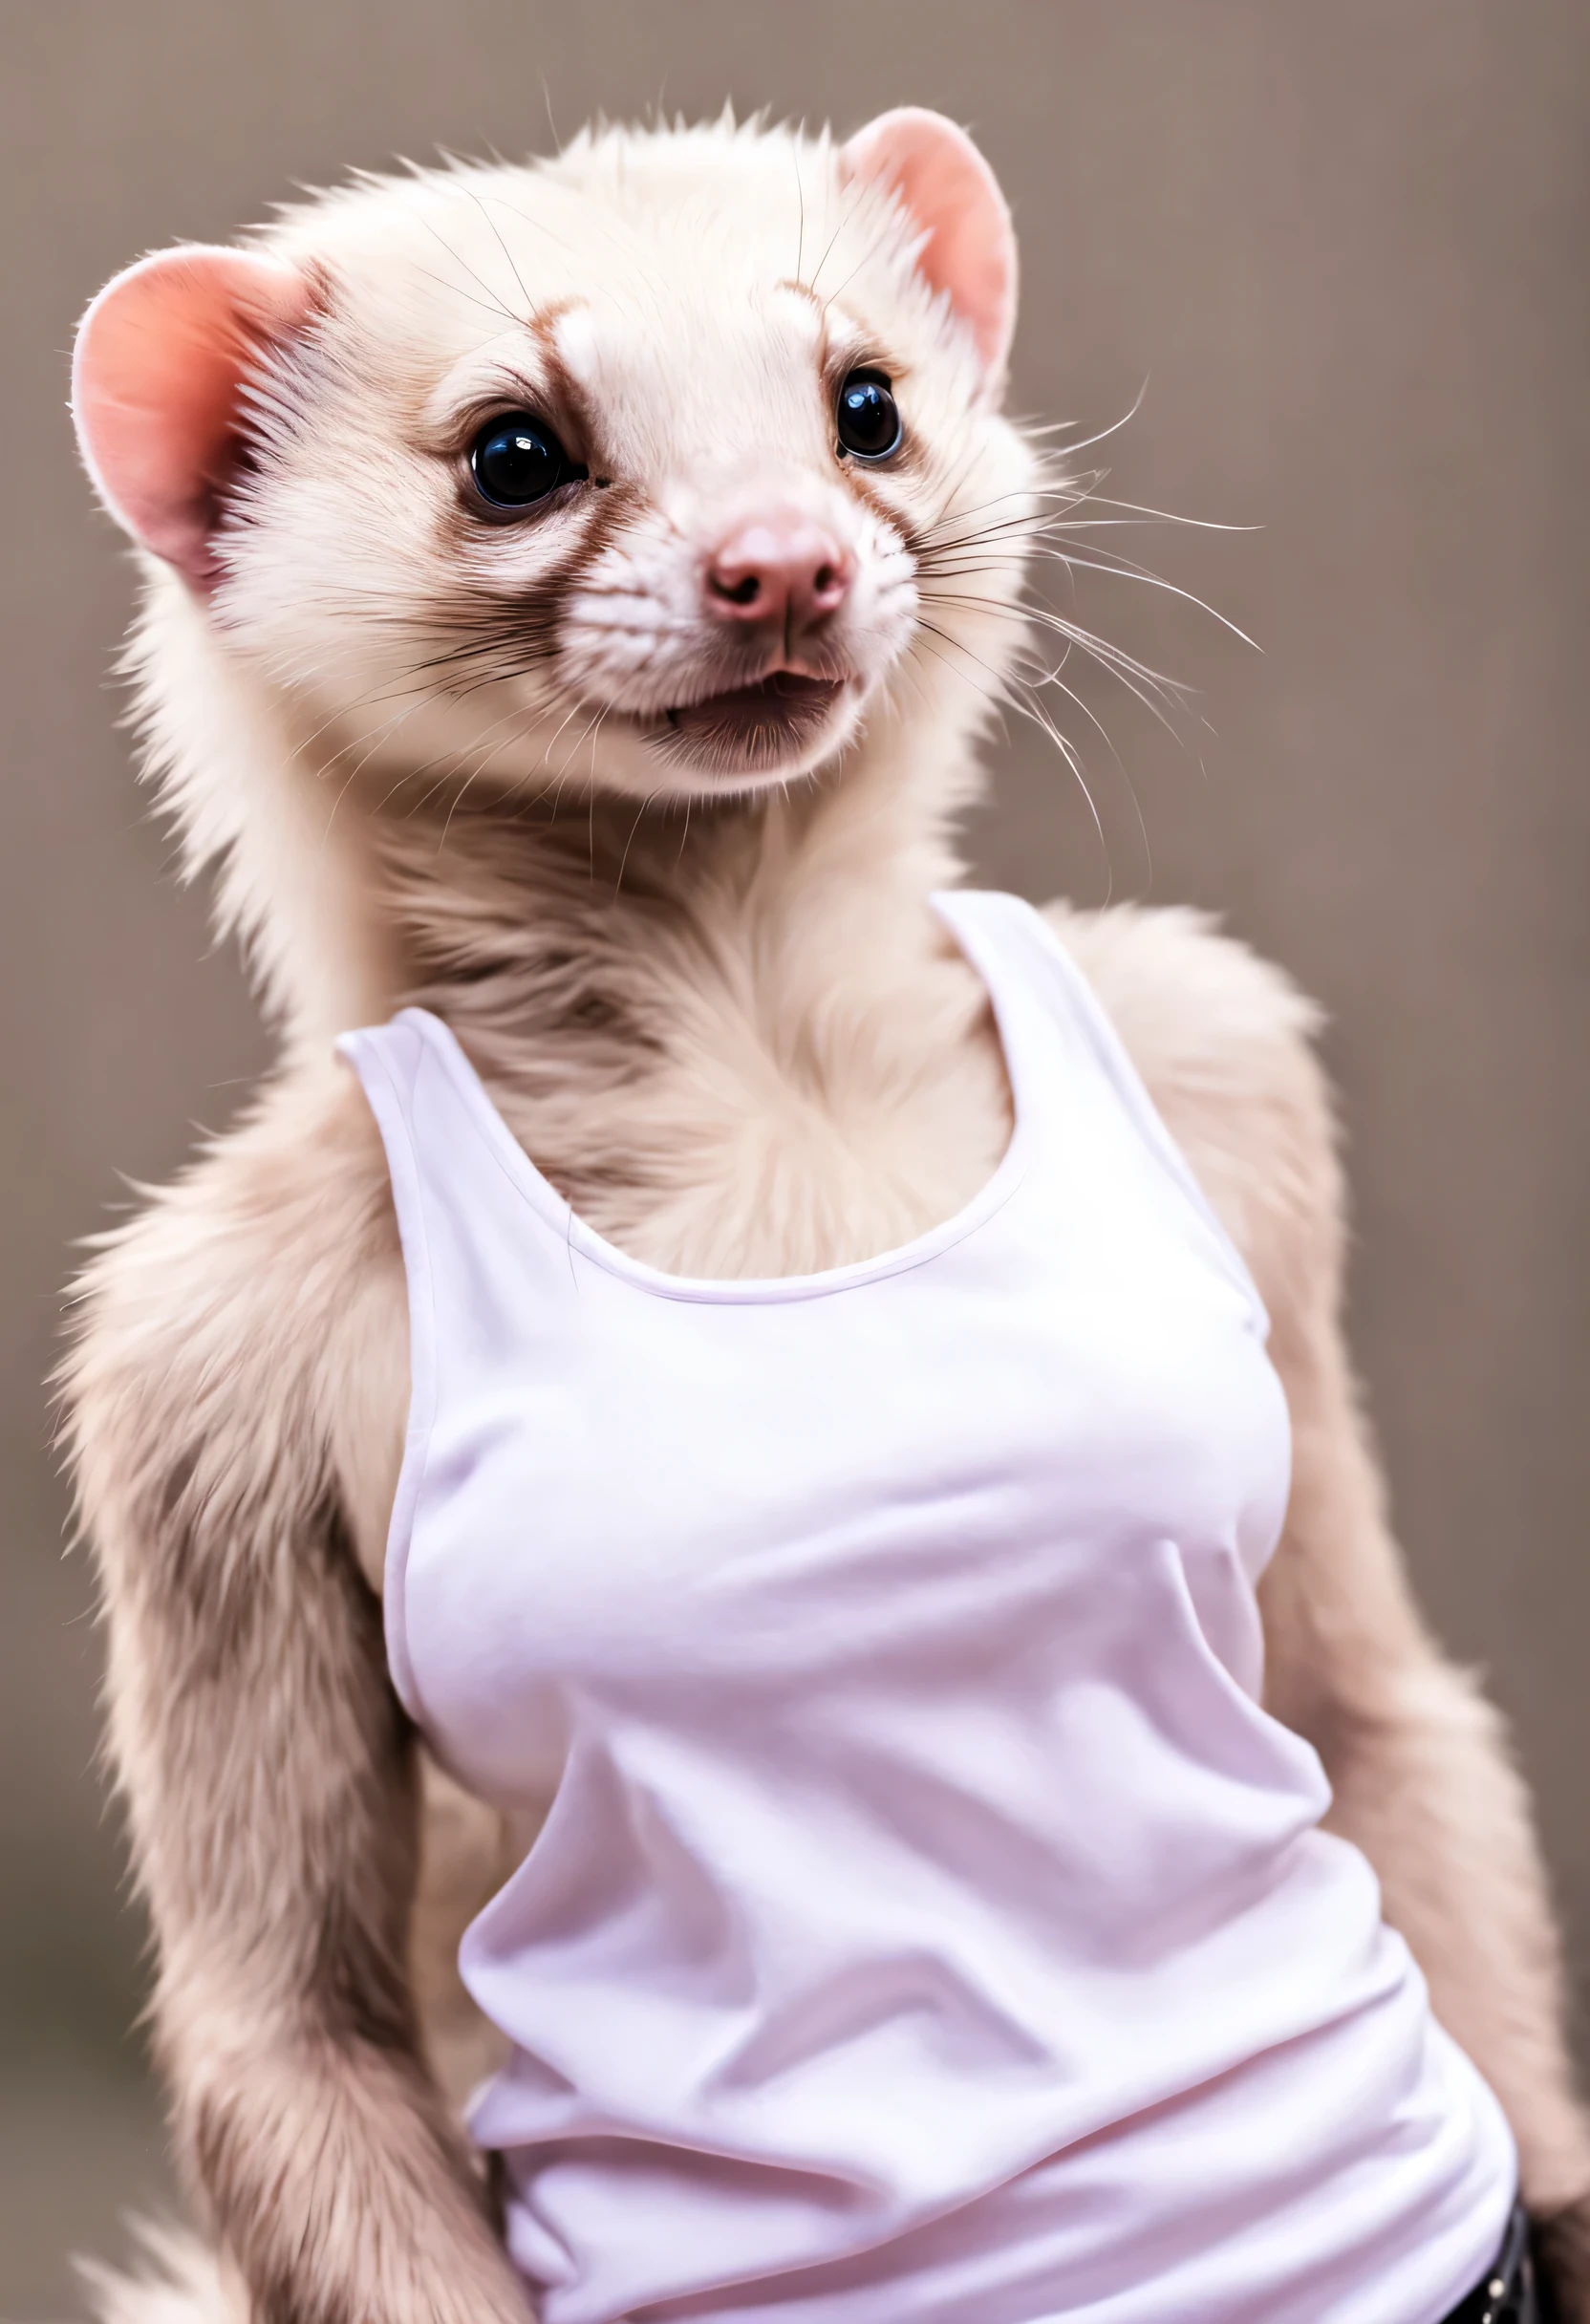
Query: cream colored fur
{"x":734,"y":1037}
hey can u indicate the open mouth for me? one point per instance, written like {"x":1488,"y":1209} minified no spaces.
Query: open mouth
{"x":753,"y":728}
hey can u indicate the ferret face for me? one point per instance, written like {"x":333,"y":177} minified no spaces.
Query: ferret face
{"x":638,"y":468}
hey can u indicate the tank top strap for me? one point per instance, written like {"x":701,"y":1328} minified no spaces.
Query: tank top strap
{"x":1036,"y":987}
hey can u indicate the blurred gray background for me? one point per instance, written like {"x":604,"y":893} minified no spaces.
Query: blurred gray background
{"x":1346,"y":246}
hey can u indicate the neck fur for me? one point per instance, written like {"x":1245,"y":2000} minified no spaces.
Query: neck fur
{"x":727,"y":1037}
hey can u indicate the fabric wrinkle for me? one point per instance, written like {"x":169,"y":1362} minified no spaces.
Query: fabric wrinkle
{"x":930,"y":1919}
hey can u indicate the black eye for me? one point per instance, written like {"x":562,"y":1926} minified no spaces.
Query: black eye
{"x":869,"y":417}
{"x":517,"y":461}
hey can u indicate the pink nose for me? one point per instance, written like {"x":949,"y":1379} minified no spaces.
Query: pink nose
{"x":780,"y":566}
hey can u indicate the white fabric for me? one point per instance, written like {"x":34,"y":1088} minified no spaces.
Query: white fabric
{"x":930,"y":1927}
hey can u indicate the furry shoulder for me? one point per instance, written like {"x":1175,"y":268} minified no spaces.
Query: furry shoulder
{"x":1224,"y":1042}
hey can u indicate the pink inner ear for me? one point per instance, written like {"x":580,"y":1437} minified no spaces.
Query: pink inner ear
{"x":155,"y":378}
{"x":950,"y":190}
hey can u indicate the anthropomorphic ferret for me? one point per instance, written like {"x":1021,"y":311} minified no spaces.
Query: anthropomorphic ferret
{"x":572,"y":595}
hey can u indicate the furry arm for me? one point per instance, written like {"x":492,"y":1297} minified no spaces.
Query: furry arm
{"x":1419,"y":1762}
{"x":242,"y":1348}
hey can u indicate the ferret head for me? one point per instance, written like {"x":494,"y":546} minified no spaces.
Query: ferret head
{"x":674,"y":467}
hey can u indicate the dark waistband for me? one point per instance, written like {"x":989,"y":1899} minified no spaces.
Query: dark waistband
{"x":1506,"y":2293}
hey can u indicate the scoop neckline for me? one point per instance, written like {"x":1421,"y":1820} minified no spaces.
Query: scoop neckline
{"x":766,"y":1290}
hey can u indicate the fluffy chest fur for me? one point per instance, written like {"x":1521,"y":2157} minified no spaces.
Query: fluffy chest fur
{"x":730,"y":1057}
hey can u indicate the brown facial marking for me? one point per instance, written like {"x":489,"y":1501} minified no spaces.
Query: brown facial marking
{"x":912,"y":464}
{"x":571,"y":398}
{"x":485,"y":633}
{"x":482,"y":633}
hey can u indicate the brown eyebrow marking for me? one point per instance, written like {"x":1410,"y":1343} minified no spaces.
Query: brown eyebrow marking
{"x":565,"y":387}
{"x":540,"y":324}
{"x":552,"y":391}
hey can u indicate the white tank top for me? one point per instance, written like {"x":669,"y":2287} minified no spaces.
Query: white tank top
{"x":929,"y":1927}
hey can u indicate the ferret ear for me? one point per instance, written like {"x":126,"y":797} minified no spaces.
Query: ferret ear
{"x":156,"y":377}
{"x":950,"y":190}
